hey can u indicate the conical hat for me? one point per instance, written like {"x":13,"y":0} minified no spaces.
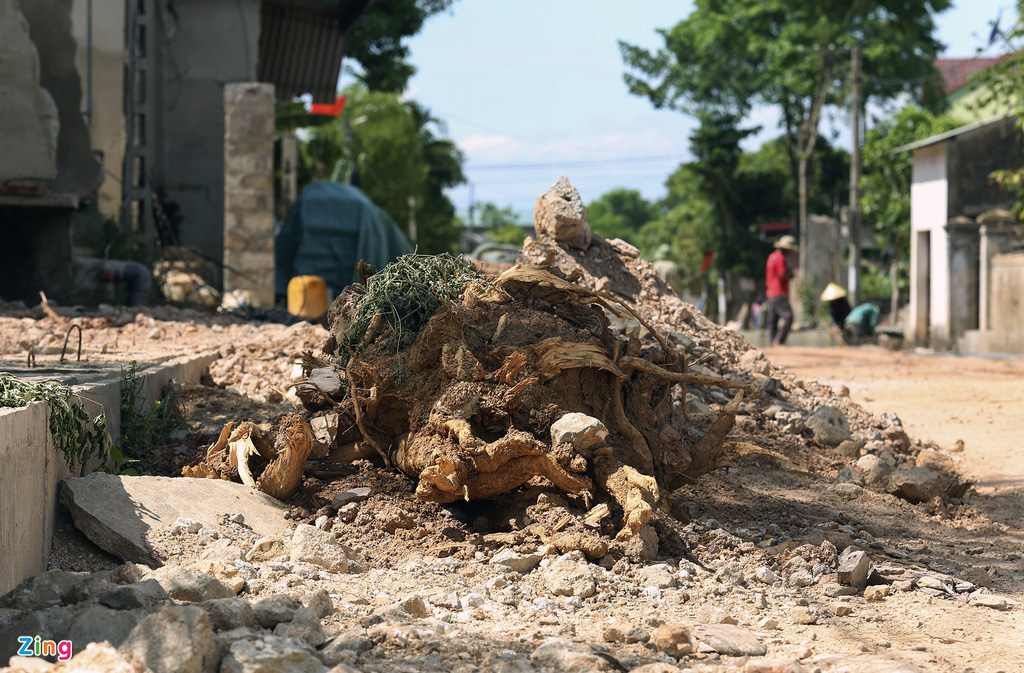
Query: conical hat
{"x":833,"y":291}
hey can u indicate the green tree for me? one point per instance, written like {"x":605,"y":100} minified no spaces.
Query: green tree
{"x":376,"y":41}
{"x":730,"y":55}
{"x":620,"y":213}
{"x":502,"y":224}
{"x":390,"y":148}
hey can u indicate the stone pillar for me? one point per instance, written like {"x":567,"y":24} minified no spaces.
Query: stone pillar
{"x":996,"y":232}
{"x":962,"y":233}
{"x":249,"y":192}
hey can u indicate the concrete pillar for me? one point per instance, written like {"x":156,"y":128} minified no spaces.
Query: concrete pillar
{"x":996,"y":234}
{"x":249,"y":191}
{"x":963,"y":276}
{"x":920,"y":298}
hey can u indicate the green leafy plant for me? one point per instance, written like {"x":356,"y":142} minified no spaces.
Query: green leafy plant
{"x":78,"y":437}
{"x":143,"y":427}
{"x":403,"y":296}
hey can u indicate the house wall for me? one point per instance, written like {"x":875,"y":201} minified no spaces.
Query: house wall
{"x":206,"y":45}
{"x":973,"y":157}
{"x":106,"y":122}
{"x":929,"y":212}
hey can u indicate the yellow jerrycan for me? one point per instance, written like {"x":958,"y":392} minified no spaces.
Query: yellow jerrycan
{"x":307,"y":297}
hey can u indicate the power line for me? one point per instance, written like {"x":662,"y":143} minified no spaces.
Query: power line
{"x":578,"y":164}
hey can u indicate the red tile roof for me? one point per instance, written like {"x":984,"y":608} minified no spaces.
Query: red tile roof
{"x":956,"y":71}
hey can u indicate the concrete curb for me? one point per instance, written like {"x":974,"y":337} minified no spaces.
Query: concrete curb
{"x":31,"y":468}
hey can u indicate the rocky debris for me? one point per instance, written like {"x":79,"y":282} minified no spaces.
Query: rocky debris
{"x":222,"y":550}
{"x":803,"y":615}
{"x":560,"y":215}
{"x":174,"y":639}
{"x":305,"y":626}
{"x":320,"y":604}
{"x":675,"y":640}
{"x":584,"y":433}
{"x":97,"y":624}
{"x":570,"y":575}
{"x":347,"y":643}
{"x":734,"y":641}
{"x":876,"y":592}
{"x":659,"y":575}
{"x":773,"y":665}
{"x":854,"y":569}
{"x":326,"y":379}
{"x":49,"y":624}
{"x":130,"y":596}
{"x":119,"y":513}
{"x":93,"y":657}
{"x":918,"y":484}
{"x":267,"y":549}
{"x":311,"y":545}
{"x":192,"y":587}
{"x":229,"y":613}
{"x":991,"y":601}
{"x":357,"y":494}
{"x":521,"y":563}
{"x":269,"y":654}
{"x":829,"y":426}
{"x":276,"y":609}
{"x":558,"y":654}
{"x":873,"y":469}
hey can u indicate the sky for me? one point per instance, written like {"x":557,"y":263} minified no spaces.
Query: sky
{"x":533,"y":89}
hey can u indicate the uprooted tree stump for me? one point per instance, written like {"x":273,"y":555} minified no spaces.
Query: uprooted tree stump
{"x":476,"y":387}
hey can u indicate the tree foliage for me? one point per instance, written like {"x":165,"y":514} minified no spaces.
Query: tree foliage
{"x":620,"y":213}
{"x":377,"y":40}
{"x":728,"y":56}
{"x":391,"y":150}
{"x":885,"y":186}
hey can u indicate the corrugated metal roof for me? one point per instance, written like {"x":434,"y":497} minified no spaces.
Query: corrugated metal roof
{"x":947,"y":135}
{"x":302,"y":43}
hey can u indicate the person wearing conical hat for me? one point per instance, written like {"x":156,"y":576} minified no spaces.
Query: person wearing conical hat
{"x":838,"y":304}
{"x":778,"y":271}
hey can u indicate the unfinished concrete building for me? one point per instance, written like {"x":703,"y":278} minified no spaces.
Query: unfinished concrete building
{"x":147,"y":106}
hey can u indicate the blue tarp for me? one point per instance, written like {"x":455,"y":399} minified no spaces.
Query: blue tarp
{"x":328,"y":230}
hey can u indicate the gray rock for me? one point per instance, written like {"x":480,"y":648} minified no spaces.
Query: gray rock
{"x":991,"y":601}
{"x":521,"y":563}
{"x":829,"y":426}
{"x":304,"y":626}
{"x":873,"y":468}
{"x":276,"y":609}
{"x":854,"y":569}
{"x":561,"y":216}
{"x":730,"y":640}
{"x":569,"y":577}
{"x":352,"y":640}
{"x":848,"y":449}
{"x":48,"y":588}
{"x":175,"y":639}
{"x":410,"y":607}
{"x":558,"y":654}
{"x":270,"y":654}
{"x":357,"y":494}
{"x":97,"y":624}
{"x":696,"y":406}
{"x":315,"y":546}
{"x":801,"y":578}
{"x":326,"y":379}
{"x":229,"y":613}
{"x":659,"y":575}
{"x":584,"y":433}
{"x":321,"y":604}
{"x":186,"y":585}
{"x":118,"y":512}
{"x":836,"y":590}
{"x":918,"y":484}
{"x":764,"y":575}
{"x":130,"y":573}
{"x":222,"y":550}
{"x":90,"y":590}
{"x":132,"y":596}
{"x":49,"y":624}
{"x":755,"y":361}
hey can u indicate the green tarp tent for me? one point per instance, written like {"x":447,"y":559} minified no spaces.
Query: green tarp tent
{"x":328,"y":230}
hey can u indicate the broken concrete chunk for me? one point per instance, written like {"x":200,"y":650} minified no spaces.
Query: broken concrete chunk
{"x":119,"y":512}
{"x":174,"y":639}
{"x":315,"y":546}
{"x":558,"y":654}
{"x":935,"y":460}
{"x":229,"y":613}
{"x":183,"y":585}
{"x":675,"y":640}
{"x":829,"y":426}
{"x":991,"y":601}
{"x":270,"y":653}
{"x":357,"y":494}
{"x":304,"y":626}
{"x":918,"y":484}
{"x":854,"y":569}
{"x":521,"y":563}
{"x":131,"y":596}
{"x":873,"y":468}
{"x":326,"y":379}
{"x":97,"y":624}
{"x":584,"y":433}
{"x":278,"y":608}
{"x":561,"y":216}
{"x":733,"y":641}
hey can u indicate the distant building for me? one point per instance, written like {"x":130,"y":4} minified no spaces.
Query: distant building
{"x":964,"y":96}
{"x":964,"y":278}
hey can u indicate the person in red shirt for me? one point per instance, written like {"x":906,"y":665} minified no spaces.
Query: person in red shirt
{"x":778,"y":271}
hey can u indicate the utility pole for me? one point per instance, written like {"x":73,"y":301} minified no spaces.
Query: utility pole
{"x":855,"y":235}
